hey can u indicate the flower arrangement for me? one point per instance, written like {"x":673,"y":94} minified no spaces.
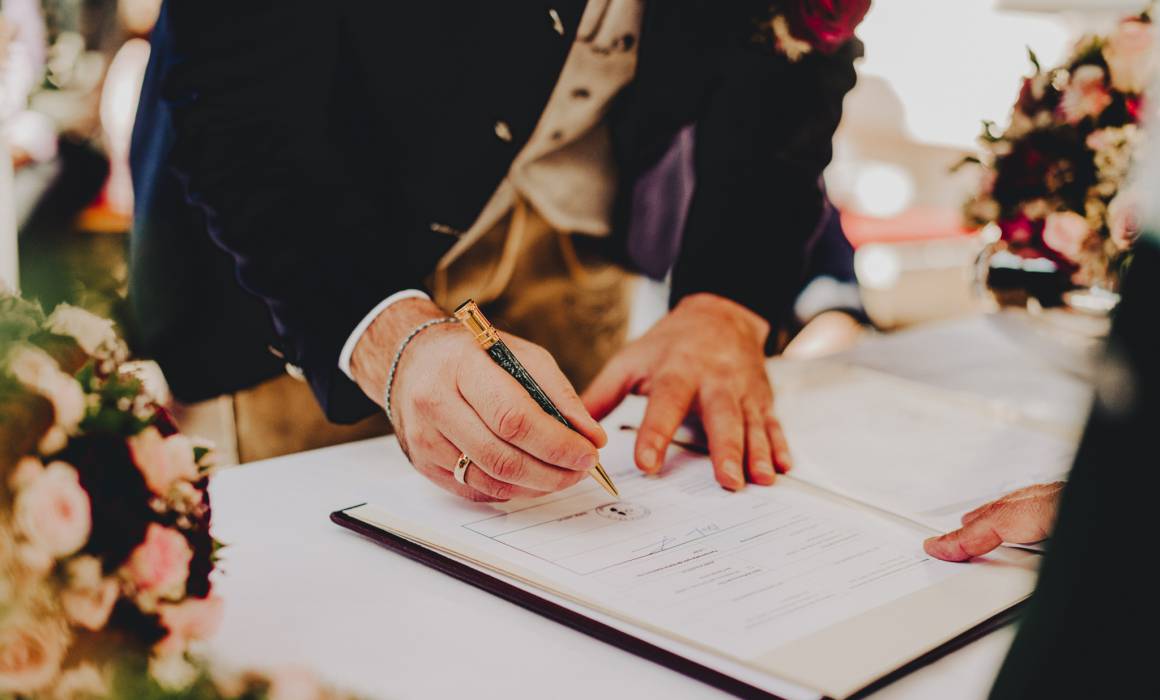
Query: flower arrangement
{"x":1055,"y":182}
{"x":105,"y":545}
{"x":799,"y":27}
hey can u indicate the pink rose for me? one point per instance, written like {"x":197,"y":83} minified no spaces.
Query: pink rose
{"x":1123,"y":220}
{"x":1065,"y":233}
{"x":1131,"y":57}
{"x":826,"y":24}
{"x":89,"y":598}
{"x":54,"y":512}
{"x":1086,"y":94}
{"x":160,"y":564}
{"x":188,"y":621}
{"x":31,"y":652}
{"x":163,"y":461}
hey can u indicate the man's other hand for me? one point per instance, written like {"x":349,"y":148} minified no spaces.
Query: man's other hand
{"x":707,"y":355}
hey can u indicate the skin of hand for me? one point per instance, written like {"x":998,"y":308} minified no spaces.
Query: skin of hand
{"x":1025,"y":516}
{"x":707,"y":355}
{"x":450,"y":397}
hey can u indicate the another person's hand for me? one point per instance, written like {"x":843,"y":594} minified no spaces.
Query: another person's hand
{"x":707,"y":355}
{"x":1025,"y":516}
{"x":450,"y":397}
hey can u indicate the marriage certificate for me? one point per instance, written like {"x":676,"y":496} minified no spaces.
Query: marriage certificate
{"x":801,"y":591}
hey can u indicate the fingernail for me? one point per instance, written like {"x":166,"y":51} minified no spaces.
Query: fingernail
{"x":764,"y":470}
{"x":733,"y":480}
{"x":648,"y":459}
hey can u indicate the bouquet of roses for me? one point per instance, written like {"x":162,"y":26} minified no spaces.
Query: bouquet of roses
{"x":1055,"y":181}
{"x":105,"y":544}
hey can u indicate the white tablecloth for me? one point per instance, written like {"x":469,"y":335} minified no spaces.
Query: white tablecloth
{"x":301,"y":591}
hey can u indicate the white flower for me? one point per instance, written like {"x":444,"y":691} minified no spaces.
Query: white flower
{"x":1085,"y":95}
{"x":31,"y":366}
{"x":89,"y":598}
{"x":53,"y":441}
{"x":83,"y":681}
{"x":37,"y":561}
{"x":31,"y":652}
{"x":36,"y":370}
{"x":1131,"y":56}
{"x":1113,"y":149}
{"x":25,"y":472}
{"x":163,"y":461}
{"x":96,"y":336}
{"x":54,"y":512}
{"x":173,"y":672}
{"x":68,"y":401}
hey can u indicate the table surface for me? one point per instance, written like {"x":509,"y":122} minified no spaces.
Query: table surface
{"x":302,"y":591}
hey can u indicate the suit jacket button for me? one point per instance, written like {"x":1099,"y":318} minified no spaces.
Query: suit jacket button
{"x":557,"y":23}
{"x":503,"y":131}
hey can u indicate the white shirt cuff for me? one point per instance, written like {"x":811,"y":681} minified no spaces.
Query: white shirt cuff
{"x":352,"y":341}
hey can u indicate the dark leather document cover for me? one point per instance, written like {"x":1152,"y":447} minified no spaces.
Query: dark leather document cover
{"x":619,"y":638}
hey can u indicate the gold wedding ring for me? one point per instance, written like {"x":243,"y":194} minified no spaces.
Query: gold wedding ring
{"x":461,"y":466}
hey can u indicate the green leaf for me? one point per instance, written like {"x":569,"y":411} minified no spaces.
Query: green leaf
{"x":967,"y":160}
{"x":1034,"y":60}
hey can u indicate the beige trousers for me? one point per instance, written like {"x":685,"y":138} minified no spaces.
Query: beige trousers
{"x":531,"y":281}
{"x":536,"y":283}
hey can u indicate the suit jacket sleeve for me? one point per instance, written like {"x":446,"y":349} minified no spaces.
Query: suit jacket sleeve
{"x":764,"y":136}
{"x":254,"y":94}
{"x":1090,"y":627}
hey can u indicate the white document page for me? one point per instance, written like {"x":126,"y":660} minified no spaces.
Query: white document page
{"x":772,"y":578}
{"x":926,"y":454}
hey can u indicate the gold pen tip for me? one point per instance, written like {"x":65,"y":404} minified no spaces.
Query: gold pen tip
{"x":603,"y":479}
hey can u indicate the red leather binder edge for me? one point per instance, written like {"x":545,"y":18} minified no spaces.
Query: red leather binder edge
{"x":623,"y":640}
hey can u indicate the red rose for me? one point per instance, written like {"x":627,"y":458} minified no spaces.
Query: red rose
{"x":825,"y":24}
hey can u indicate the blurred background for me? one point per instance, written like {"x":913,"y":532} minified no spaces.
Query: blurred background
{"x":933,"y":71}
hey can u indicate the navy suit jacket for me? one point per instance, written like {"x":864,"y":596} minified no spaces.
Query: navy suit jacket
{"x":209,"y":336}
{"x":330,"y":143}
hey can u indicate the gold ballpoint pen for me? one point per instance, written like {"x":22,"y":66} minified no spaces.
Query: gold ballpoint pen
{"x":487,"y":337}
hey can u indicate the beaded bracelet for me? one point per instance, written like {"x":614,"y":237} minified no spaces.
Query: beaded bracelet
{"x":399,"y":355}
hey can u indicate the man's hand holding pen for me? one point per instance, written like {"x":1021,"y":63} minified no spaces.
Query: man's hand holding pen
{"x":449,"y":397}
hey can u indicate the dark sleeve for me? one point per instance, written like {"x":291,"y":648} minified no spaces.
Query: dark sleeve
{"x":257,"y":95}
{"x":764,"y":136}
{"x":1088,"y":630}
